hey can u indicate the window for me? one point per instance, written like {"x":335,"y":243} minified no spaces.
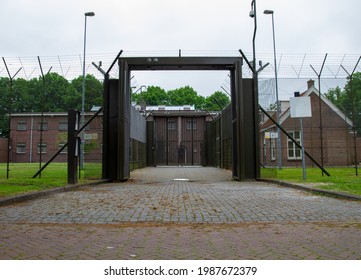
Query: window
{"x":293,"y":152}
{"x":21,"y":125}
{"x":171,"y":125}
{"x":189,"y":124}
{"x":65,"y":151}
{"x":43,"y":148}
{"x":273,"y":149}
{"x":20,"y":148}
{"x":45,"y":125}
{"x":63,"y":125}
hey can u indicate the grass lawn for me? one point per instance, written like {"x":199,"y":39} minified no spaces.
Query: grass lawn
{"x":341,"y":179}
{"x":55,"y":175}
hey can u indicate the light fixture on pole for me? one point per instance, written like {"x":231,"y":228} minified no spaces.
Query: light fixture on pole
{"x":253,"y":14}
{"x":88,"y":14}
{"x":279,"y":142}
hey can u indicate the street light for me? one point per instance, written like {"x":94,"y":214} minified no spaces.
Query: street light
{"x":279,"y":143}
{"x":253,"y":14}
{"x":88,"y":14}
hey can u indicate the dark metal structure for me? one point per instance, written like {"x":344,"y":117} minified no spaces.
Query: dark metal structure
{"x":73,"y":145}
{"x":116,"y":124}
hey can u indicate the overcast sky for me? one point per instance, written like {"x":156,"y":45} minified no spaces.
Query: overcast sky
{"x":49,"y":27}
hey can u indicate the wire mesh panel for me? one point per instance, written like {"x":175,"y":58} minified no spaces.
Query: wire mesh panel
{"x":93,"y":144}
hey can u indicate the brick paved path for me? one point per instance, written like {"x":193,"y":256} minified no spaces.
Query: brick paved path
{"x":208,"y":217}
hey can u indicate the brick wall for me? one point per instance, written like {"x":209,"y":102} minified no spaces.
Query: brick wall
{"x":337,"y":140}
{"x":25,"y":138}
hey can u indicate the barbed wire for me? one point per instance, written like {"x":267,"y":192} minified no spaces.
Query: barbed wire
{"x":290,"y":66}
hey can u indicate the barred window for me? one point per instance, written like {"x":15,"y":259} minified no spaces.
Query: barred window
{"x":42,"y":148}
{"x":21,"y":125}
{"x":171,"y":125}
{"x":189,"y":124}
{"x":20,"y":148}
{"x":45,"y":125}
{"x":63,"y":125}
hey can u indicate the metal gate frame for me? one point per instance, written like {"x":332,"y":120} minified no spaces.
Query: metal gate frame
{"x":116,"y":122}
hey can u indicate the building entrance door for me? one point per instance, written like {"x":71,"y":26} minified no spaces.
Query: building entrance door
{"x":181,"y":155}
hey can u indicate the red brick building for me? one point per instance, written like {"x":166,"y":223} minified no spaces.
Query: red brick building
{"x":337,"y":140}
{"x":3,"y":149}
{"x":26,"y":130}
{"x":179,"y":135}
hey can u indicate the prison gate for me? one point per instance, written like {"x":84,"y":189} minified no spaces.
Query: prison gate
{"x":116,"y":124}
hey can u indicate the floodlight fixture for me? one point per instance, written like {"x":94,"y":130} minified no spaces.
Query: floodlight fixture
{"x":268,"y":12}
{"x":89,"y":14}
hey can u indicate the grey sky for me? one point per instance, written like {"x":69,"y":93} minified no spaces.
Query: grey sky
{"x":47,"y":27}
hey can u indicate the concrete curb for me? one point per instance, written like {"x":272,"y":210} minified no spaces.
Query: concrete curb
{"x":37,"y":194}
{"x":313,"y":190}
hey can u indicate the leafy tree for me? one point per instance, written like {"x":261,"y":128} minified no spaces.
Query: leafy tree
{"x":186,"y":96}
{"x":53,"y":94}
{"x":152,"y":96}
{"x":216,"y":102}
{"x":345,"y":99}
{"x":4,"y":108}
{"x":93,"y":94}
{"x":334,"y":94}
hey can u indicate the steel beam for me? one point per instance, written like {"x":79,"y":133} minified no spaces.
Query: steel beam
{"x":181,"y":63}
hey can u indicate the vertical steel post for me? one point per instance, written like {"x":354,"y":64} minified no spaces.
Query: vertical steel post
{"x":353,"y":113}
{"x":11,"y":78}
{"x":320,"y":106}
{"x":124,"y":121}
{"x":42,"y":116}
{"x":89,"y":14}
{"x":73,"y":146}
{"x":303,"y":151}
{"x":279,"y":142}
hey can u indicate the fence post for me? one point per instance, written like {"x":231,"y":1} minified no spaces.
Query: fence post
{"x":73,"y":145}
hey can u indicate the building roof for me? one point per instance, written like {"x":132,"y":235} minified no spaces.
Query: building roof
{"x":167,"y":113}
{"x":307,"y":93}
{"x":46,"y":114}
{"x":268,"y":124}
{"x":171,"y":108}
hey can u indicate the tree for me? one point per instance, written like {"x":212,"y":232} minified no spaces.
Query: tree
{"x":4,"y":108}
{"x":152,"y":96}
{"x":345,"y":99}
{"x":54,"y":93}
{"x":186,"y":96}
{"x":216,"y":101}
{"x":93,"y":93}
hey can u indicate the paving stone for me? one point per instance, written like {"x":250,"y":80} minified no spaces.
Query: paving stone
{"x":209,"y":217}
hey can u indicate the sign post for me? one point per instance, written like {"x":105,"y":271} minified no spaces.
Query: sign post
{"x":301,"y":108}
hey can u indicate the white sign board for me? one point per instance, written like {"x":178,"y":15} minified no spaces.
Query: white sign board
{"x":300,"y":107}
{"x":271,"y":135}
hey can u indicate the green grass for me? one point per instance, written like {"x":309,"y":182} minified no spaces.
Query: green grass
{"x":55,"y":175}
{"x":341,"y":179}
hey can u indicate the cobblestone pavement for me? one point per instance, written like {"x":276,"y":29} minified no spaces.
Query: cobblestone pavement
{"x":202,"y":214}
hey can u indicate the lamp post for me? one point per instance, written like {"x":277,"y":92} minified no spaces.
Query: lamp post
{"x":253,"y":14}
{"x":88,"y":14}
{"x":279,"y":142}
